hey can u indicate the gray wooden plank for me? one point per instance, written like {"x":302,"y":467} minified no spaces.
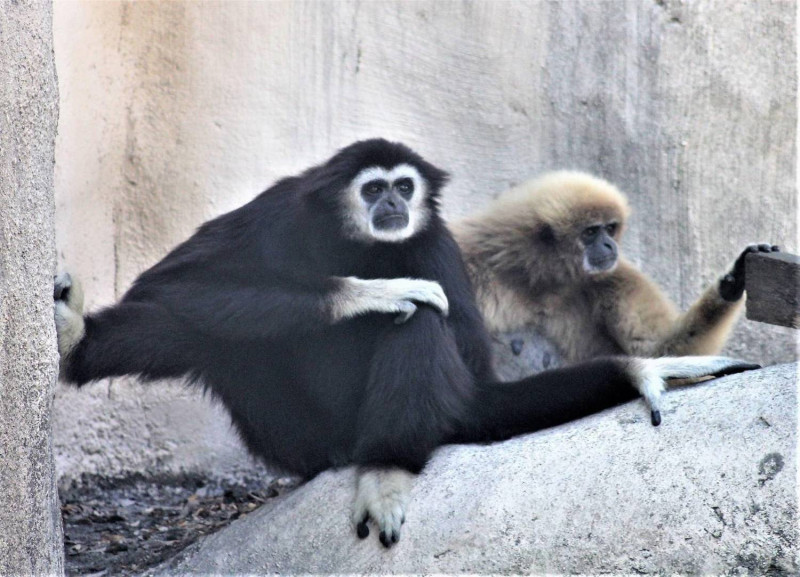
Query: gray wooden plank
{"x":773,"y":288}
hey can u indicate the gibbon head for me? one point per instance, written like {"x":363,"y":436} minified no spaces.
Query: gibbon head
{"x":384,"y":190}
{"x":563,"y":224}
{"x":585,"y":216}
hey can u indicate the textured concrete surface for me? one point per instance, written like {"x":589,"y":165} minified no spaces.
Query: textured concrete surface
{"x":173,"y":112}
{"x":30,"y":518}
{"x":711,"y":491}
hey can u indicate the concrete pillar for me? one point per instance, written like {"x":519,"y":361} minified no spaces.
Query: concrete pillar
{"x":31,"y":541}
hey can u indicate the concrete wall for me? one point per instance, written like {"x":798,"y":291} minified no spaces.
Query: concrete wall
{"x":175,"y":112}
{"x":31,"y":540}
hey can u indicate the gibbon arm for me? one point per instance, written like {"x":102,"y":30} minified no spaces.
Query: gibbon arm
{"x":503,"y":410}
{"x":644,"y":322}
{"x":235,"y":309}
{"x":704,"y":328}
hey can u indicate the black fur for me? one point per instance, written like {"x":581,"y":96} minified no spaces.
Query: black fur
{"x":546,"y":235}
{"x":239,"y":308}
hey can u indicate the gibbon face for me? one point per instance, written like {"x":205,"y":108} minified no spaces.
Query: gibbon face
{"x":599,"y":246}
{"x":388,"y":205}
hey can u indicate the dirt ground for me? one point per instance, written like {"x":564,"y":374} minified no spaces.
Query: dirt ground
{"x":126,"y":525}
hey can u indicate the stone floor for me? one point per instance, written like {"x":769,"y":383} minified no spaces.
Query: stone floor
{"x":126,"y":525}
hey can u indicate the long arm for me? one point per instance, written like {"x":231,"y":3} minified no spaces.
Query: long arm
{"x":703,"y":329}
{"x":237,"y":310}
{"x":644,"y":322}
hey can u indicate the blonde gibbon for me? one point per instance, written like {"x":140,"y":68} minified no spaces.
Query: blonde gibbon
{"x":545,"y":255}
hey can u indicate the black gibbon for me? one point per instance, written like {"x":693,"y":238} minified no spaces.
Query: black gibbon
{"x":544,"y":255}
{"x":334,"y":318}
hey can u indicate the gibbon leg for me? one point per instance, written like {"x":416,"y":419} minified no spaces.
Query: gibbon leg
{"x":128,"y":338}
{"x":503,"y":410}
{"x":417,"y":390}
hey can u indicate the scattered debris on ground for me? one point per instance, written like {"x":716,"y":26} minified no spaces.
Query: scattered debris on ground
{"x":125,"y":525}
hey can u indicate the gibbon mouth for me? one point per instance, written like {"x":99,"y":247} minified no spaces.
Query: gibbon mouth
{"x":391,"y":222}
{"x":604,"y":264}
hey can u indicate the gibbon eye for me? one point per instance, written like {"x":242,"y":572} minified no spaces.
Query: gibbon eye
{"x":611,"y":228}
{"x":590,"y":232}
{"x":405,"y":186}
{"x":373,"y":188}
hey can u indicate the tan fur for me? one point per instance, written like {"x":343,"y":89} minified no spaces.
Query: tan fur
{"x":523,"y":278}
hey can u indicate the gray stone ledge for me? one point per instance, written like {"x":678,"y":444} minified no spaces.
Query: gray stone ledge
{"x":713,"y":490}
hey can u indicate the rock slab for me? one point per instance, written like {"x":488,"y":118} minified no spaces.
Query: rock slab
{"x":711,"y":491}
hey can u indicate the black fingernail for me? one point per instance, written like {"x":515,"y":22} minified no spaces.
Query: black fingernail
{"x":385,"y":540}
{"x":655,"y":418}
{"x":362,"y":530}
{"x":395,"y":536}
{"x":516,"y":346}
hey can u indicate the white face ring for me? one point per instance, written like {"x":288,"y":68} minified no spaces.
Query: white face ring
{"x":357,"y":211}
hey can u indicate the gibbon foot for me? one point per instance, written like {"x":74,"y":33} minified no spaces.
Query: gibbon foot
{"x":68,"y":313}
{"x":731,"y":286}
{"x":67,"y":290}
{"x":382,"y":496}
{"x":650,"y":375}
{"x":62,"y":283}
{"x":740,"y":367}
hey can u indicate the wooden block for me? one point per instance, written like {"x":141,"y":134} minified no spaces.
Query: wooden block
{"x":772,"y":282}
